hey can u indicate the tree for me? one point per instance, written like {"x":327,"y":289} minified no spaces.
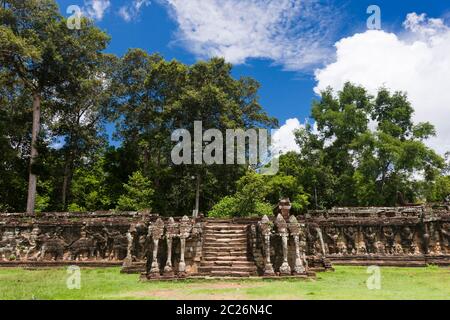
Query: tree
{"x":364,"y":166}
{"x":138,"y":195}
{"x":15,"y":120}
{"x":174,"y":96}
{"x":78,"y":115}
{"x":89,"y":187}
{"x":249,"y":199}
{"x":39,"y":49}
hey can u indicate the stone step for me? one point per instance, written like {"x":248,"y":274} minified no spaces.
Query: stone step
{"x":228,"y":227}
{"x":228,"y":263}
{"x":224,"y":239}
{"x":224,"y":244}
{"x":225,"y":258}
{"x":241,"y":250}
{"x":224,"y":255}
{"x":210,"y":238}
{"x":219,"y":220}
{"x":225,"y":235}
{"x":230,"y":233}
{"x":225,"y":251}
{"x":231,"y":274}
{"x":226,"y":269}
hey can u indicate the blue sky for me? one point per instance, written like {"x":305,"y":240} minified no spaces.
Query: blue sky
{"x":257,"y":43}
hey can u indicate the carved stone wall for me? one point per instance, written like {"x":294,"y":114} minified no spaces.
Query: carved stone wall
{"x":287,"y":247}
{"x":279,"y":245}
{"x":93,"y":239}
{"x":413,"y":236}
{"x":62,"y":238}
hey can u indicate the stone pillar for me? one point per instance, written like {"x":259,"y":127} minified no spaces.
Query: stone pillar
{"x":157,"y":230}
{"x":282,"y":231}
{"x":171,"y":232}
{"x":130,"y":238}
{"x":283,"y":208}
{"x":266,"y":230}
{"x":185,"y":231}
{"x":295,"y":230}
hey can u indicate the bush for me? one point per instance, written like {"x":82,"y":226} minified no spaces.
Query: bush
{"x":139,"y":194}
{"x":248,"y":201}
{"x":263,"y":208}
{"x":225,"y":208}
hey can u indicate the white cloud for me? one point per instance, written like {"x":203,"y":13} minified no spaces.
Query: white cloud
{"x":96,"y":9}
{"x":131,"y":11}
{"x":283,"y":139}
{"x":416,"y":61}
{"x":292,"y":33}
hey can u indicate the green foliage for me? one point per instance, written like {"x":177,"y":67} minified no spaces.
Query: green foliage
{"x":439,"y":191}
{"x":154,"y":97}
{"x":138,"y":194}
{"x":257,"y":195}
{"x":343,"y":161}
{"x":225,"y":208}
{"x":43,"y":198}
{"x":89,"y":188}
{"x":249,"y":199}
{"x":347,"y":164}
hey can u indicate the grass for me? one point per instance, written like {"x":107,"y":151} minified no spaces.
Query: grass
{"x":344,"y":283}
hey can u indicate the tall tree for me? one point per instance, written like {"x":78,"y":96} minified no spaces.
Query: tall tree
{"x":39,"y":48}
{"x":174,"y":96}
{"x":15,"y":120}
{"x":376,"y":165}
{"x":78,"y":117}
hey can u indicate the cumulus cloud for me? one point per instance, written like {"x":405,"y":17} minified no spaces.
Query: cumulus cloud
{"x":283,"y":139}
{"x":131,"y":11}
{"x":289,"y":32}
{"x":96,"y":9}
{"x":416,"y":61}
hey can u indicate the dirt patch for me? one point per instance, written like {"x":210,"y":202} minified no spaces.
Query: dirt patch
{"x":222,"y":285}
{"x":177,"y":295}
{"x":200,"y":291}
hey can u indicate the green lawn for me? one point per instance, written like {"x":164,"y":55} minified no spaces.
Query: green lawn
{"x":344,"y":283}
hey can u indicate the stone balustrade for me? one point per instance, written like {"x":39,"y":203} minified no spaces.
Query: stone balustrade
{"x":279,"y":245}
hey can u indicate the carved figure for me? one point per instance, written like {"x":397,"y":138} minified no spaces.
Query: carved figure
{"x":333,"y":236}
{"x":265,"y":227}
{"x":33,"y":250}
{"x":361,"y":249}
{"x":350,"y":237}
{"x":297,"y":232}
{"x":54,"y":245}
{"x":445,"y":231}
{"x":407,"y":238}
{"x":84,"y":247}
{"x":283,"y":233}
{"x":186,"y":226}
{"x":342,"y":248}
{"x":389,"y":236}
{"x":370,"y":238}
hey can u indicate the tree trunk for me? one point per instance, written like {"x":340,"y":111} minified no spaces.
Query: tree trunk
{"x":32,"y":181}
{"x":67,"y":179}
{"x":197,"y":197}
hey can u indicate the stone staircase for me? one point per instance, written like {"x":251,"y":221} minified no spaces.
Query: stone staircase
{"x":225,"y":250}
